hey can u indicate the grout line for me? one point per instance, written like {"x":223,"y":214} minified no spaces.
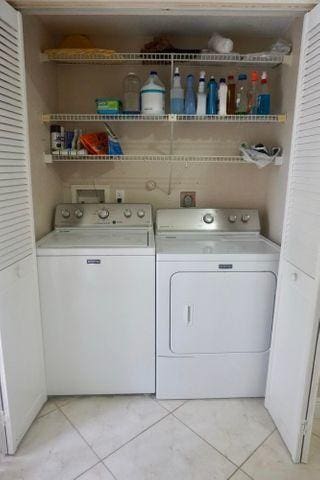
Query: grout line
{"x":55,"y":408}
{"x":86,"y":471}
{"x":208,"y":443}
{"x":171,"y":411}
{"x":60,"y":410}
{"x":254,"y":451}
{"x":136,"y":436}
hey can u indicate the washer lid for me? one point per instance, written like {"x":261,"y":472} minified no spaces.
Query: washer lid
{"x":211,"y":247}
{"x":96,"y":241}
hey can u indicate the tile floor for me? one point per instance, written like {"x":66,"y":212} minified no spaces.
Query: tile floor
{"x":140,"y":438}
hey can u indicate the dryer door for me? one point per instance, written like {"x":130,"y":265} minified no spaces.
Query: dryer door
{"x":221,"y":312}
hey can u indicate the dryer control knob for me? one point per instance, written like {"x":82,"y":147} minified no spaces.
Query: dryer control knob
{"x":141,"y":213}
{"x":65,"y":213}
{"x":103,"y":214}
{"x":78,"y":213}
{"x":208,"y":218}
{"x":127,"y":213}
{"x":232,"y":218}
{"x":245,"y":218}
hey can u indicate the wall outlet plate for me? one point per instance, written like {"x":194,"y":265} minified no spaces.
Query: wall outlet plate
{"x":120,"y":196}
{"x":187,"y":199}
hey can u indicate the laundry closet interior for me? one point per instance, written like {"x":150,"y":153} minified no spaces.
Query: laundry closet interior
{"x":170,"y":156}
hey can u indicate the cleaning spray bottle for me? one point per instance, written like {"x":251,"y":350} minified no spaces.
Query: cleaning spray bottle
{"x":177,"y":94}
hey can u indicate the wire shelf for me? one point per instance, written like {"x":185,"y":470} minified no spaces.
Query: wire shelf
{"x":89,"y":117}
{"x":156,"y":58}
{"x":149,"y":158}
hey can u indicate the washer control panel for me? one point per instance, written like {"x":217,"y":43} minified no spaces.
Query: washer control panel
{"x":68,"y":215}
{"x":207,"y":219}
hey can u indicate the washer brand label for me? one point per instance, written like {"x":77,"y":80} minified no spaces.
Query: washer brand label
{"x":93,"y":261}
{"x":225,"y":266}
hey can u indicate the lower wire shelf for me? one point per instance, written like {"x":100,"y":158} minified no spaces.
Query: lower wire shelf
{"x":235,"y":159}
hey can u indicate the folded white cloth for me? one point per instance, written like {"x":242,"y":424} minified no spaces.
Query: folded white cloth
{"x":220,"y":44}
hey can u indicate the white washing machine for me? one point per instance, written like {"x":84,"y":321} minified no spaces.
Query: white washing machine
{"x":97,"y":291}
{"x":216,"y":283}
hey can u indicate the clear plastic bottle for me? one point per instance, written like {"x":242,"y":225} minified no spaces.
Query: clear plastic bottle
{"x":153,"y":96}
{"x":177,"y":94}
{"x":242,"y":95}
{"x":264,"y":97}
{"x":231,"y":97}
{"x":223,"y":94}
{"x":131,"y":94}
{"x":202,"y":95}
{"x":190,"y":100}
{"x":253,"y":93}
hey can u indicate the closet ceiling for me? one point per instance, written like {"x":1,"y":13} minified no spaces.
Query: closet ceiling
{"x":148,"y":25}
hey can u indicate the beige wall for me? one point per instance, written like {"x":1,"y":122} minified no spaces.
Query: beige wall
{"x":73,"y":89}
{"x":42,"y":97}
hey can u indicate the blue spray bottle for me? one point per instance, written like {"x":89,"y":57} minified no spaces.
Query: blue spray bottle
{"x":212,"y":100}
{"x":190,"y":100}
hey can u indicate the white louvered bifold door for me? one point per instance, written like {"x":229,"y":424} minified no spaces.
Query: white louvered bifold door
{"x":16,"y":226}
{"x":294,"y":360}
{"x":301,"y":239}
{"x":21,"y":357}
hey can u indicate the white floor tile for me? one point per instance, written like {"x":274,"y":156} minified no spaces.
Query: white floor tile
{"x":240,"y":476}
{"x":272,"y":462}
{"x":48,"y":407}
{"x":107,"y":422}
{"x":99,"y":472}
{"x":316,"y":426}
{"x":236,"y":427}
{"x":51,"y":450}
{"x":171,"y":405}
{"x":169,"y":451}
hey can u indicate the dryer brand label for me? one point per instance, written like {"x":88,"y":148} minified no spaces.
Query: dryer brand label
{"x":225,"y":266}
{"x":93,"y":261}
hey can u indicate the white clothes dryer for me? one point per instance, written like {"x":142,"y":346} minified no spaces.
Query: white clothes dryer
{"x":216,"y":283}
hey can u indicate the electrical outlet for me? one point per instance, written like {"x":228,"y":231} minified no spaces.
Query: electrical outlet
{"x":187,"y":199}
{"x":120,"y":196}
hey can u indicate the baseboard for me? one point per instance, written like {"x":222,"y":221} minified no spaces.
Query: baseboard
{"x":317,"y":409}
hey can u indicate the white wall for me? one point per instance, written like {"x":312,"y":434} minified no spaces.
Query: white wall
{"x":42,"y":97}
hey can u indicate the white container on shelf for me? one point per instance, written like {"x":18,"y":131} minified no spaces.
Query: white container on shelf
{"x":153,"y":96}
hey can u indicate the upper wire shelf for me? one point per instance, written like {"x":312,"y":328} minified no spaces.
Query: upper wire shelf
{"x":230,"y":159}
{"x":92,"y":117}
{"x":156,"y":58}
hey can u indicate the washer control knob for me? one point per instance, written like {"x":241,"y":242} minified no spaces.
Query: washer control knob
{"x":104,"y":213}
{"x":208,"y":218}
{"x":245,"y":218}
{"x":65,"y":213}
{"x":141,"y":213}
{"x":78,"y":213}
{"x":127,"y":213}
{"x":232,"y":218}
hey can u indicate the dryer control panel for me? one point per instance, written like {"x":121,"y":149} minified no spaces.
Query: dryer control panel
{"x":78,"y":215}
{"x":208,"y":219}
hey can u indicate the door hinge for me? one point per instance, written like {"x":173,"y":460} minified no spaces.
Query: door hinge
{"x":304,"y":427}
{"x":3,"y":418}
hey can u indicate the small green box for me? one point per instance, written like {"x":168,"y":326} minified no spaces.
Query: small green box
{"x":108,"y":106}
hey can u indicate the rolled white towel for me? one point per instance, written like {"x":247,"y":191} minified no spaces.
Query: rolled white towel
{"x":220,"y":44}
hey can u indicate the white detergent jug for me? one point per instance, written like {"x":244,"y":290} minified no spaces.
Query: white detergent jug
{"x":153,"y":96}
